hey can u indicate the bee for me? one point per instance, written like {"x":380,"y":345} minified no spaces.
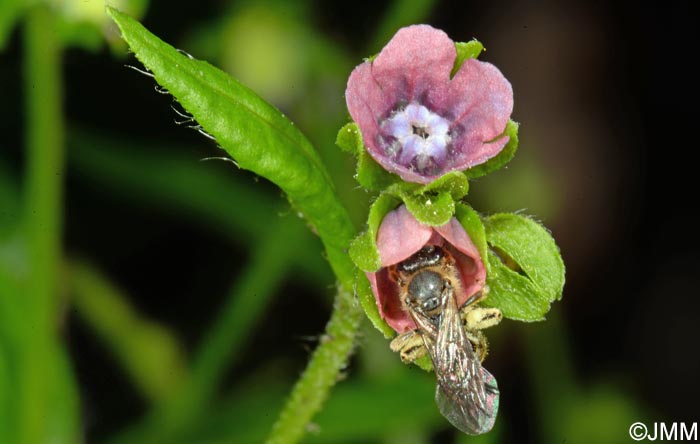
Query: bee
{"x":429,"y":282}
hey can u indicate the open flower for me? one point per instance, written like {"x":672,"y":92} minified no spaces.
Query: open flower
{"x":400,"y":235}
{"x":418,"y":122}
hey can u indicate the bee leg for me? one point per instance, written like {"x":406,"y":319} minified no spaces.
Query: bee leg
{"x":409,"y":345}
{"x":479,"y":318}
{"x":479,"y":343}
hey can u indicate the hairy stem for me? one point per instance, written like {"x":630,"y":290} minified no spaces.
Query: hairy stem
{"x":327,"y":361}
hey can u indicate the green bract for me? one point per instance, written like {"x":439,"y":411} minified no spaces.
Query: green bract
{"x":526,"y":271}
{"x":466,"y":50}
{"x":369,"y":173}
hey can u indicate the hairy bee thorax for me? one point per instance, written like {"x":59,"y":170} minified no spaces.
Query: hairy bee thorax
{"x":425,"y":279}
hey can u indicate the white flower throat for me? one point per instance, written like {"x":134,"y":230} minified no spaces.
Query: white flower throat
{"x":417,"y":138}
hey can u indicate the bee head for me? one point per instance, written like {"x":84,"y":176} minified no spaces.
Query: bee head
{"x":425,"y":291}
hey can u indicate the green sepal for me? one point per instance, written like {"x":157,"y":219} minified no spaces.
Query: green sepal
{"x":363,"y":290}
{"x":430,"y":209}
{"x":526,"y":269}
{"x":466,"y":50}
{"x":471,"y":222}
{"x":363,"y":249}
{"x":370,"y":174}
{"x":502,"y":158}
{"x":432,"y":204}
{"x":349,"y":138}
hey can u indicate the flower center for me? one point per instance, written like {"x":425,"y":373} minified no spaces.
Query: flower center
{"x":416,"y":138}
{"x":420,"y":131}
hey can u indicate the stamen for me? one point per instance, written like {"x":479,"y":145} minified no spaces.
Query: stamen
{"x":420,"y":131}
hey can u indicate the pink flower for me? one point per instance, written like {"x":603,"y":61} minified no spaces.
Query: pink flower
{"x":418,"y":122}
{"x":400,"y":236}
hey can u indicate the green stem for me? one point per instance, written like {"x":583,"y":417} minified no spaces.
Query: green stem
{"x":44,"y":181}
{"x":43,"y":199}
{"x":327,"y":361}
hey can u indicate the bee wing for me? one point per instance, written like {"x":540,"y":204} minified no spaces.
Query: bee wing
{"x":466,"y":394}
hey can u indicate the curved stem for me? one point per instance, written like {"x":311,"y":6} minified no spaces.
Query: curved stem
{"x":327,"y":361}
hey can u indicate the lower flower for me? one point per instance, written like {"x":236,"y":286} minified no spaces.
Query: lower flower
{"x":401,"y":236}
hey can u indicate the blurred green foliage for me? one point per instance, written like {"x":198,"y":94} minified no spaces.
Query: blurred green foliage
{"x":383,"y":401}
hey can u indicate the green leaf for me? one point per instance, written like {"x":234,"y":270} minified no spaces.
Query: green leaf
{"x":466,"y":50}
{"x":363,"y":250}
{"x":502,"y":158}
{"x":369,"y":304}
{"x":527,"y":272}
{"x":515,"y":295}
{"x":257,"y":135}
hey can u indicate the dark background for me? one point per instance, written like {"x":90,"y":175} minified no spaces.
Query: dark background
{"x":607,"y":105}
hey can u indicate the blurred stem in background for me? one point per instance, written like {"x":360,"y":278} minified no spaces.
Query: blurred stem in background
{"x":150,"y":354}
{"x":247,"y":300}
{"x":42,"y":370}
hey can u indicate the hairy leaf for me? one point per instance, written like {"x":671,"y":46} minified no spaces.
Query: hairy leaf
{"x":257,"y":135}
{"x":526,"y":270}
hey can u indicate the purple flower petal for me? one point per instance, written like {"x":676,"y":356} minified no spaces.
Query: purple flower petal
{"x":417,"y":122}
{"x":400,"y":235}
{"x":416,"y":59}
{"x":480,"y":101}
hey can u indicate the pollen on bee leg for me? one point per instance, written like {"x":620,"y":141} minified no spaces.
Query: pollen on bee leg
{"x":409,"y":345}
{"x":479,"y":343}
{"x":479,"y":318}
